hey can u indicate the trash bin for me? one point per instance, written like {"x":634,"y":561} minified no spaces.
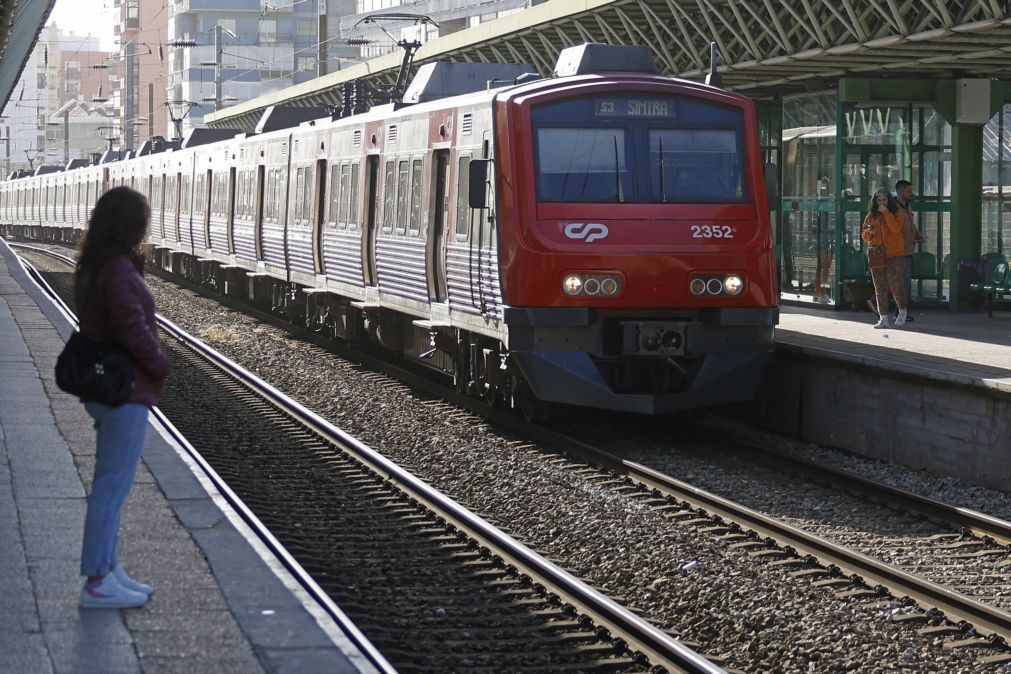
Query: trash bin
{"x":967,"y":272}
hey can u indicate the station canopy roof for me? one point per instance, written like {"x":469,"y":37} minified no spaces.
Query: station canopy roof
{"x":766,"y":47}
{"x":20,"y":24}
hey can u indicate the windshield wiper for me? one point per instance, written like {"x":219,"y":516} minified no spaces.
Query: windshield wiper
{"x":617,"y":172}
{"x":663,"y":184}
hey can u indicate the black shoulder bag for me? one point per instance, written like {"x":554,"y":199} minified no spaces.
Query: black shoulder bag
{"x":94,"y":371}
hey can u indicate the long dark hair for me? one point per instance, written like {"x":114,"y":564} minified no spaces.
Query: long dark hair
{"x":872,"y":207}
{"x":117,"y":225}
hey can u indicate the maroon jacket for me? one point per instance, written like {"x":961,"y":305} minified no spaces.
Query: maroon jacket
{"x":119,"y":308}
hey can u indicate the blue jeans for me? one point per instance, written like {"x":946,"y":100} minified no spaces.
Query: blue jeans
{"x":120,"y":439}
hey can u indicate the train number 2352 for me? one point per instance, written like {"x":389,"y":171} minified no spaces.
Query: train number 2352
{"x":713,"y":232}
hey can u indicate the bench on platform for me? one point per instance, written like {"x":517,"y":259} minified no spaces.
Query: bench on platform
{"x":998,"y":287}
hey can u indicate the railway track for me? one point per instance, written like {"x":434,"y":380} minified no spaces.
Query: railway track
{"x":757,"y":546}
{"x":431,"y":585}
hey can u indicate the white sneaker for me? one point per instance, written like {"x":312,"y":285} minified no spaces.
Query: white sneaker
{"x":883,"y":323}
{"x":108,"y":593}
{"x":900,"y":320}
{"x":129,"y":583}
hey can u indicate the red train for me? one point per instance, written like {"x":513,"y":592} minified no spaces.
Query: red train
{"x":598,"y":238}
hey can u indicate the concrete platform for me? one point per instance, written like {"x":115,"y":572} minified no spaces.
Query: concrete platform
{"x":934,"y":394}
{"x":223,"y":604}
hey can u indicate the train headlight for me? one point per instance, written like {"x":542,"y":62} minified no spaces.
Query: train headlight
{"x":733,"y":284}
{"x":572,"y":285}
{"x":592,"y":284}
{"x":721,"y":285}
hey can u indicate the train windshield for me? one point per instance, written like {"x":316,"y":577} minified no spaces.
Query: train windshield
{"x":643,"y":149}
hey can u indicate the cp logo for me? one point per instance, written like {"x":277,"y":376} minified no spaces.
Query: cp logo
{"x":588,"y":232}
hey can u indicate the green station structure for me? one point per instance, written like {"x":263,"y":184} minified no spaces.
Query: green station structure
{"x":852,"y":95}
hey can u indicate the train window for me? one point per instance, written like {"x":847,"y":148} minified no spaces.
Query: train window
{"x":199,"y":195}
{"x":695,"y":165}
{"x":221,"y":195}
{"x":245,"y":211}
{"x":345,"y":196}
{"x":299,"y":188}
{"x":389,"y":197}
{"x":185,"y":195}
{"x":171,"y":200}
{"x":463,"y":211}
{"x":268,"y":208}
{"x":353,"y":210}
{"x":403,"y":194}
{"x":240,"y":195}
{"x":306,"y":205}
{"x":280,"y":187}
{"x":583,"y":165}
{"x":331,"y":216}
{"x":416,"y":184}
{"x":275,"y":208}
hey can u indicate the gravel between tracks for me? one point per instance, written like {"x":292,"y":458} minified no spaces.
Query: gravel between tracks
{"x":746,"y":611}
{"x":749,"y":612}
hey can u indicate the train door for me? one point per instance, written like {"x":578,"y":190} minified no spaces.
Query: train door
{"x":436,"y":244}
{"x":176,"y":205}
{"x":371,"y":224}
{"x":258,"y":231}
{"x":320,"y":211}
{"x":230,"y":210}
{"x":204,"y":207}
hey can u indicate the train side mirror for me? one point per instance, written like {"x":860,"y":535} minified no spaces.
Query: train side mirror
{"x":478,"y":196}
{"x":771,"y":174}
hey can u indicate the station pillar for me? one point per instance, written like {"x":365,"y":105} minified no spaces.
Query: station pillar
{"x":966,"y":204}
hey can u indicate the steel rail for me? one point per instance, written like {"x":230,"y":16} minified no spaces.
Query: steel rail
{"x":956,"y":606}
{"x":986,"y":619}
{"x":276,"y":548}
{"x":957,"y":517}
{"x":638,"y":634}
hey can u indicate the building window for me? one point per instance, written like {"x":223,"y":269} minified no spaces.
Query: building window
{"x":268,"y":31}
{"x":307,"y":27}
{"x":305,"y":63}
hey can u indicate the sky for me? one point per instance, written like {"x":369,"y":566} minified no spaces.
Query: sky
{"x":84,"y":17}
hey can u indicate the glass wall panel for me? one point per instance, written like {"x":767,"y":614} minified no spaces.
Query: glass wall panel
{"x":996,"y":192}
{"x":807,"y":260}
{"x":826,"y":192}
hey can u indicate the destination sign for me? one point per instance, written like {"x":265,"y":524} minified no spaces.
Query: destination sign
{"x":657,"y":108}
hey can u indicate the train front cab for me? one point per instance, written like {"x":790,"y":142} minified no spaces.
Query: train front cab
{"x":602,"y":257}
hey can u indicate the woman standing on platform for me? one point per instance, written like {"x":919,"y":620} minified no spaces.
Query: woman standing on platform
{"x":882,"y":230}
{"x":115,"y":305}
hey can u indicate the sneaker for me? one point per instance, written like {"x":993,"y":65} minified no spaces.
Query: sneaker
{"x":129,"y":583}
{"x":883,"y":323}
{"x":900,"y":320}
{"x":108,"y":593}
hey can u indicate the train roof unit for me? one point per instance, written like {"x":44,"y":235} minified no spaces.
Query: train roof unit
{"x":442,"y":80}
{"x":202,"y":136}
{"x":593,"y":57}
{"x":285,"y":117}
